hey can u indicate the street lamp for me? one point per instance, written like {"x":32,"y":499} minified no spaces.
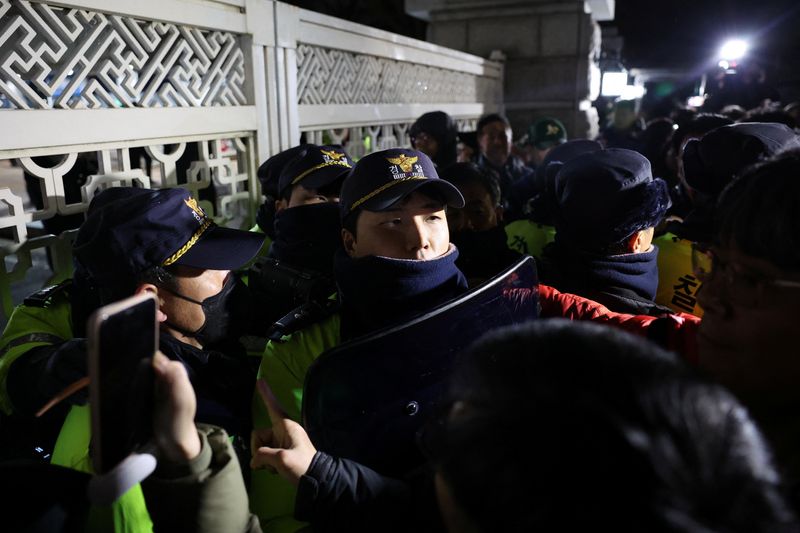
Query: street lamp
{"x":733,"y":50}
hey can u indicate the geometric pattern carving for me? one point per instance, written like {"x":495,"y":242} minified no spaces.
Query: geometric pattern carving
{"x":54,"y":57}
{"x":215,"y":171}
{"x":327,"y":76}
{"x":361,"y":140}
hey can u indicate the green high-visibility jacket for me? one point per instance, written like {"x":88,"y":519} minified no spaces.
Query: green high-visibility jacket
{"x":284,"y":367}
{"x":29,"y":327}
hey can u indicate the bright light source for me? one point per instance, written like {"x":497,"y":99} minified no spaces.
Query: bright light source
{"x":594,"y":81}
{"x":724,"y":65}
{"x":696,"y":101}
{"x":632,"y":92}
{"x":733,"y":50}
{"x":614,"y":83}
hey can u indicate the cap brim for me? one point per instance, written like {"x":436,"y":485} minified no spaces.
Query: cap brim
{"x":393,"y":194}
{"x":222,"y":249}
{"x":543,"y":145}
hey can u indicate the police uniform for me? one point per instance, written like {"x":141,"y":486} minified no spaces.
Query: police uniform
{"x":126,"y":232}
{"x":376,"y":182}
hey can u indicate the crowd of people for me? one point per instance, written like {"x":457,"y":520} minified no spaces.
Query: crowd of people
{"x":654,"y":391}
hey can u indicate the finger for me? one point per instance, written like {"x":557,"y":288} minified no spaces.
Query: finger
{"x":259,"y":438}
{"x":274,"y":409}
{"x":265,"y":458}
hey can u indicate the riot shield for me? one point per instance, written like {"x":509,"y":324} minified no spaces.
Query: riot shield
{"x":366,"y":399}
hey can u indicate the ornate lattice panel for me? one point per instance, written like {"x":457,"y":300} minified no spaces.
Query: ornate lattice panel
{"x":54,"y":57}
{"x":43,"y":199}
{"x":361,"y":140}
{"x":327,"y":76}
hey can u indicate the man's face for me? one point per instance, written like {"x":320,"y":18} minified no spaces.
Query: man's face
{"x":413,"y":228}
{"x":425,"y":144}
{"x":479,"y":212}
{"x":624,"y":118}
{"x":749,"y":330}
{"x":194,"y":283}
{"x":495,"y":142}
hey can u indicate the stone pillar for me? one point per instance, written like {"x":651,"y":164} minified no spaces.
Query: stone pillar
{"x":551,"y":49}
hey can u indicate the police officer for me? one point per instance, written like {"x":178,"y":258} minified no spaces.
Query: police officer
{"x":139,"y":240}
{"x":396,"y":261}
{"x":299,"y":265}
{"x":268,"y":174}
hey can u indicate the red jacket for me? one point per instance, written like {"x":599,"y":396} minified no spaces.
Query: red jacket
{"x":676,"y":332}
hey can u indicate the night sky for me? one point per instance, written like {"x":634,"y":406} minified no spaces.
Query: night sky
{"x":687,"y":33}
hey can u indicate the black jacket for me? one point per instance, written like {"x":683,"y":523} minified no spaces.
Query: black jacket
{"x":342,"y":495}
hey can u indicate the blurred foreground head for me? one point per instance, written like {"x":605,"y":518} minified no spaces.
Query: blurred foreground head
{"x":557,"y":425}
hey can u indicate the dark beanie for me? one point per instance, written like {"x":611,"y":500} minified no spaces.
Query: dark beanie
{"x":605,"y":196}
{"x":710,"y":163}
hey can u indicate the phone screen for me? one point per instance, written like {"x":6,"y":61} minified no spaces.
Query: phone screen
{"x":122,"y":343}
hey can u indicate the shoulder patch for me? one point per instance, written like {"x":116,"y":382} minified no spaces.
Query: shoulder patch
{"x":43,"y":297}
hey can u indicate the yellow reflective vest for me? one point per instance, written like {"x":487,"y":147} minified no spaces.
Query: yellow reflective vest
{"x":677,"y":284}
{"x":528,"y":237}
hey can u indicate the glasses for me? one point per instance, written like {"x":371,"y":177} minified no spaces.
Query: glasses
{"x":741,"y":286}
{"x":421,"y":137}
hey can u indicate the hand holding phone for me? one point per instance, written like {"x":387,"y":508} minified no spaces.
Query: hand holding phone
{"x":176,"y":405}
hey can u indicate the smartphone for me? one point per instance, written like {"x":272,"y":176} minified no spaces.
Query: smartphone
{"x":122,"y":337}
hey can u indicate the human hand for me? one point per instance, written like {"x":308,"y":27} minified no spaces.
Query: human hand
{"x":285,"y":447}
{"x":174,"y":410}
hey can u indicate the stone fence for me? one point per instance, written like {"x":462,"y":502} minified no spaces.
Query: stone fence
{"x":192,"y":94}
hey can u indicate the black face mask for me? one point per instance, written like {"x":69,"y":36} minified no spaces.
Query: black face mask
{"x":227,"y":313}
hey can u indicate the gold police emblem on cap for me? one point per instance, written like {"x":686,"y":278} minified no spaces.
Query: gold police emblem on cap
{"x":192,"y":203}
{"x":404,"y":162}
{"x":552,"y":129}
{"x":205,"y":223}
{"x":336,"y":156}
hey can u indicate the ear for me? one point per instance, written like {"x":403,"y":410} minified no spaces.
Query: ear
{"x":149,"y":287}
{"x":638,"y":242}
{"x":349,"y":242}
{"x":281,"y":204}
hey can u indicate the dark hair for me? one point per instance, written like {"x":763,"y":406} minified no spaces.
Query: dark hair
{"x":699,"y":126}
{"x":350,"y":221}
{"x":768,"y":114}
{"x":464,"y":173}
{"x":441,"y":127}
{"x":488,"y":119}
{"x":552,"y":417}
{"x":758,"y":211}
